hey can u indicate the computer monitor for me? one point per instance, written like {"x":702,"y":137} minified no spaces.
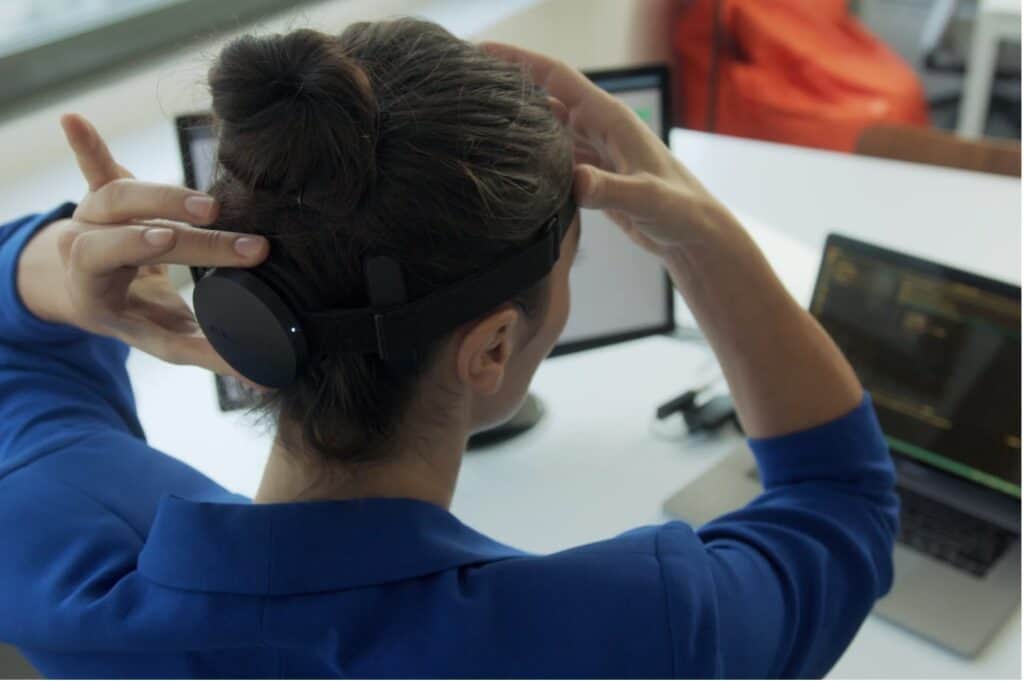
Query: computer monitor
{"x":938,"y":349}
{"x":197,"y":141}
{"x":619,"y":292}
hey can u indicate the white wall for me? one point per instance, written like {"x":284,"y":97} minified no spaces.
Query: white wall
{"x":592,"y":33}
{"x":135,"y":112}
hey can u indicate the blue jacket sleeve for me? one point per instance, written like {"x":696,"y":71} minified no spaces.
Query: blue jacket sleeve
{"x":57,"y":383}
{"x":79,"y":485}
{"x":793,"y":574}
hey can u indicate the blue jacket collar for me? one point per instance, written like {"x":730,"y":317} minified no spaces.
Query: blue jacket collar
{"x":278,"y":549}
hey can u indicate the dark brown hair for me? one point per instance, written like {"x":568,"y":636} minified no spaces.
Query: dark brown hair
{"x":394,"y":138}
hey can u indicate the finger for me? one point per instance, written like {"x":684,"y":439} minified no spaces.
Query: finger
{"x":126,"y":200}
{"x":630,"y":194}
{"x":91,"y":152}
{"x":625,"y":223}
{"x":560,"y":111}
{"x":153,"y":298}
{"x":101,"y":251}
{"x":620,"y":219}
{"x":173,"y":347}
{"x":559,"y":79}
{"x":158,"y":321}
{"x":587,"y":155}
{"x":199,"y":247}
{"x":591,"y":108}
{"x":167,"y":317}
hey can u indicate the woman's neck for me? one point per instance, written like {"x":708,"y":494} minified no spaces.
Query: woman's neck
{"x":426,"y":470}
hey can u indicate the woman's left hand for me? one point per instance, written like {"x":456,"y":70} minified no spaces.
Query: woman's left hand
{"x":105,"y":268}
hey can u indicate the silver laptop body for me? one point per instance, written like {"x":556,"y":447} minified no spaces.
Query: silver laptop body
{"x":939,"y":349}
{"x":929,"y":597}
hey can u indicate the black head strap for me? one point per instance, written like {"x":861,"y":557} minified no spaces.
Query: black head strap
{"x":256,"y":321}
{"x":399,"y":330}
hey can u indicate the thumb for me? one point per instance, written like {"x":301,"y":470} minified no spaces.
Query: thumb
{"x":603,"y":190}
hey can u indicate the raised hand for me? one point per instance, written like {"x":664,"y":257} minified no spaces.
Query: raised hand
{"x":105,"y":268}
{"x":622,"y":167}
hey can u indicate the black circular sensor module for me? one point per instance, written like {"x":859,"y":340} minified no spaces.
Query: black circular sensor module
{"x":236,"y":307}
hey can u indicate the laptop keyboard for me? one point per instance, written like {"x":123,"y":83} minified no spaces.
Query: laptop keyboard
{"x":952,"y":536}
{"x":944,"y":533}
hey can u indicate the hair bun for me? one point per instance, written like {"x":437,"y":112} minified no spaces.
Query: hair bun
{"x":297,"y":115}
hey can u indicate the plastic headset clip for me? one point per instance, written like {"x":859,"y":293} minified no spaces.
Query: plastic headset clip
{"x":385,"y":286}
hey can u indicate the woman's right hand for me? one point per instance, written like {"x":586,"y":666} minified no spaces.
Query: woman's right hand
{"x":111,"y":257}
{"x":622,"y":167}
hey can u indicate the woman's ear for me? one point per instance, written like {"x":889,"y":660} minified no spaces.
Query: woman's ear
{"x":484,"y":351}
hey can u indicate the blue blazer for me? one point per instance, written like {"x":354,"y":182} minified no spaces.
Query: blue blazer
{"x":119,"y":560}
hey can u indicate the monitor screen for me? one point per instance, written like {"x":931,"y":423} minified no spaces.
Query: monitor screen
{"x":619,"y":291}
{"x":201,"y":140}
{"x":939,"y":350}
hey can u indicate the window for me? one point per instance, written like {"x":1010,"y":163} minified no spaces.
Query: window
{"x":48,"y":43}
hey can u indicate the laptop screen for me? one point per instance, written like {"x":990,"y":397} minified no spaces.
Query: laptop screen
{"x":939,"y":350}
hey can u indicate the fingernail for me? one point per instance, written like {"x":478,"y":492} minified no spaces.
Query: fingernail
{"x":158,"y":236}
{"x":248,"y":246}
{"x":199,"y":206}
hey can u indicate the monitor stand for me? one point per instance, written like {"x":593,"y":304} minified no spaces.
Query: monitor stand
{"x":527,"y":417}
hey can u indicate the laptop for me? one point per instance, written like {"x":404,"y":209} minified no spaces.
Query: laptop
{"x":644,"y":308}
{"x":939,"y":350}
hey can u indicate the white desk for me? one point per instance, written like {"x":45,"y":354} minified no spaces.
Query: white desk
{"x":962,"y":218}
{"x":595,"y":466}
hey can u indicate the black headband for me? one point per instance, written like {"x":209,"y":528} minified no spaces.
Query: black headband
{"x":398,"y":330}
{"x":256,"y":319}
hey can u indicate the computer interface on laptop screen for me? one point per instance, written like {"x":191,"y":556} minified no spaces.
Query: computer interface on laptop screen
{"x":941,"y":358}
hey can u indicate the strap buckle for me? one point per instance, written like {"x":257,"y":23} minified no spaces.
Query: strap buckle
{"x":378,"y":325}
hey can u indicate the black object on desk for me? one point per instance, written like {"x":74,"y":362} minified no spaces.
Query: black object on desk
{"x":705,"y":417}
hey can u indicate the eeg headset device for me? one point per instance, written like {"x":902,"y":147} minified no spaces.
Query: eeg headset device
{"x":256,"y":321}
